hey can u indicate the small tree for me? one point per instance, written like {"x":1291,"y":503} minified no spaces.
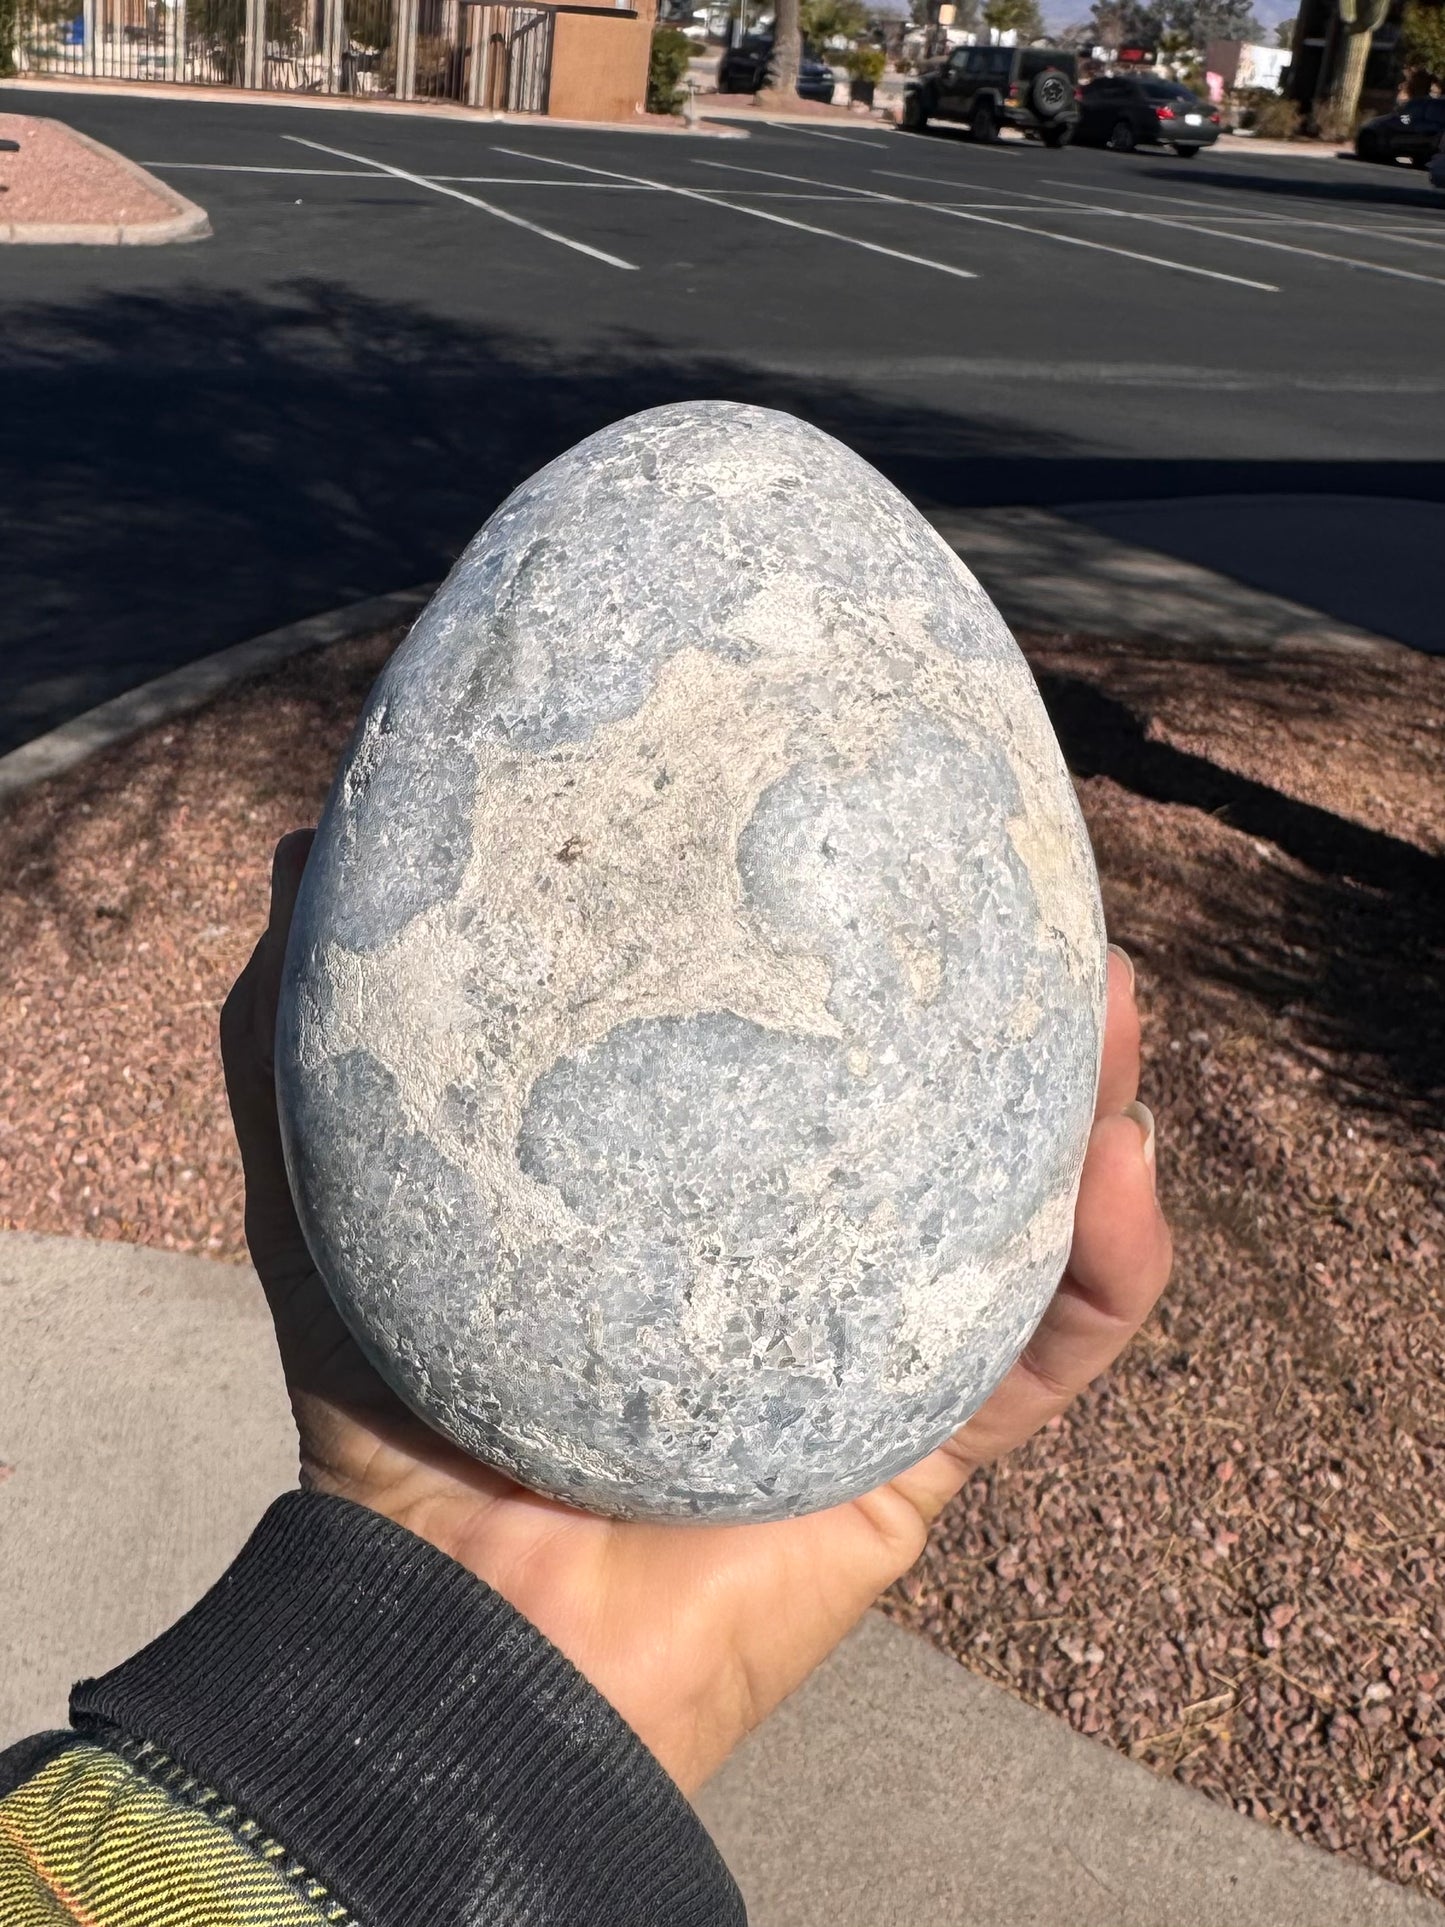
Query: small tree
{"x":1125,"y":23}
{"x":1182,"y":57}
{"x":1197,"y":22}
{"x":666,"y":65}
{"x":866,"y":64}
{"x":1020,"y":17}
{"x":1284,"y":34}
{"x":1422,"y":37}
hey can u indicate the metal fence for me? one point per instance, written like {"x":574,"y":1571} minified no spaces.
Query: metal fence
{"x":497,"y":57}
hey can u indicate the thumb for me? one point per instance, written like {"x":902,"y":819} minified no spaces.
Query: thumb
{"x":288,"y":864}
{"x":248,"y":1034}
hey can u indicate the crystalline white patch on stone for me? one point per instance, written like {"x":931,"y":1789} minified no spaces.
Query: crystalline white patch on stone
{"x":695,"y":1001}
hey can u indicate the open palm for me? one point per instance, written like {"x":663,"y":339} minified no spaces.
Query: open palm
{"x":694,"y":1633}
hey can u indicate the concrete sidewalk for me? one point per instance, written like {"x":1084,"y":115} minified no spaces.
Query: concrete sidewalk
{"x":1138,"y":569}
{"x":343,"y":104}
{"x":144,"y":1425}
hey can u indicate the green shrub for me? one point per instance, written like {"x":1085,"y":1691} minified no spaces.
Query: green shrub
{"x":865,"y":63}
{"x":9,"y":27}
{"x":1422,"y":37}
{"x":666,"y":66}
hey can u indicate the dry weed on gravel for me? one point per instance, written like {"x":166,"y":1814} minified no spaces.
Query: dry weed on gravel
{"x":1228,"y":1559}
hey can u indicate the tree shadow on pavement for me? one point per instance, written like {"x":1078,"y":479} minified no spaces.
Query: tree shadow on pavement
{"x":185,"y":469}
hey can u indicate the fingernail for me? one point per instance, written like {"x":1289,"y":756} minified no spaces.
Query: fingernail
{"x":1122,"y":954}
{"x":1144,"y":1118}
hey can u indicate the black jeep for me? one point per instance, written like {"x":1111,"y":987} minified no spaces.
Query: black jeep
{"x":989,"y":88}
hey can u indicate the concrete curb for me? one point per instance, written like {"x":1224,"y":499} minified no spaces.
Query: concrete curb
{"x":1237,"y":144}
{"x":1047,"y":570}
{"x":188,"y":222}
{"x":196,"y":683}
{"x":1042,"y":570}
{"x":332,"y":104}
{"x":90,"y":234}
{"x":866,"y":123}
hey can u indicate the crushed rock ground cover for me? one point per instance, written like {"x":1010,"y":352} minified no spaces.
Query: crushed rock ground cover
{"x":56,"y":178}
{"x":1228,"y":1561}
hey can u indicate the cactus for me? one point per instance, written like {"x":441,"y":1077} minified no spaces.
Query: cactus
{"x":1359,"y":18}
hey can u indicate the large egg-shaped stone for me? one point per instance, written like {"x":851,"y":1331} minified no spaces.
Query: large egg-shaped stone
{"x":692,"y":1014}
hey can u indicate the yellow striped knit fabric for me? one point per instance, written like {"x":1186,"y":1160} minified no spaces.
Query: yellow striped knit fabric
{"x":89,"y":1841}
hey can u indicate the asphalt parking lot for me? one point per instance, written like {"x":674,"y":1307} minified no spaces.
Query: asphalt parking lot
{"x":398,"y":317}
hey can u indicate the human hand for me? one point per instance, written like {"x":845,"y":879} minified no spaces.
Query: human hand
{"x":693,"y":1633}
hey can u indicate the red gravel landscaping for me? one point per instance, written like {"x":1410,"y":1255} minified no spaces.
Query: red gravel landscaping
{"x":59,"y":178}
{"x":1228,"y":1559}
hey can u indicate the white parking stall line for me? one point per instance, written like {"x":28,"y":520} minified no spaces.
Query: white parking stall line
{"x":1016,"y":227}
{"x":608,"y":187}
{"x":292,"y":173}
{"x":472,"y":200}
{"x":1213,"y":226}
{"x":468,"y":180}
{"x":729,"y":194}
{"x":848,"y":140}
{"x":1052,"y":204}
{"x":369,"y":173}
{"x":1118,"y":213}
{"x":1390,"y":232}
{"x":522,"y":180}
{"x":1266,"y":221}
{"x":994,"y":207}
{"x":757,"y":213}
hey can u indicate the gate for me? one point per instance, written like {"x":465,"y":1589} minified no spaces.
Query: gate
{"x":497,"y":57}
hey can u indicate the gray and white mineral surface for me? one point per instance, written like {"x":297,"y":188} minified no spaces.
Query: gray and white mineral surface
{"x":692,"y":1015}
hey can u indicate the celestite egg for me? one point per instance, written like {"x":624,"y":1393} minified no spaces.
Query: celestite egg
{"x":692,"y":1015}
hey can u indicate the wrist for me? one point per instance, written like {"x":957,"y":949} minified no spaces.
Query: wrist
{"x":688,"y":1707}
{"x":367,"y":1703}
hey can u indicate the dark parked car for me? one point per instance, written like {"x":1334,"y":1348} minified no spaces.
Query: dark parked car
{"x":744,"y":68}
{"x":989,"y":88}
{"x":1413,"y":133}
{"x":1123,"y":112}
